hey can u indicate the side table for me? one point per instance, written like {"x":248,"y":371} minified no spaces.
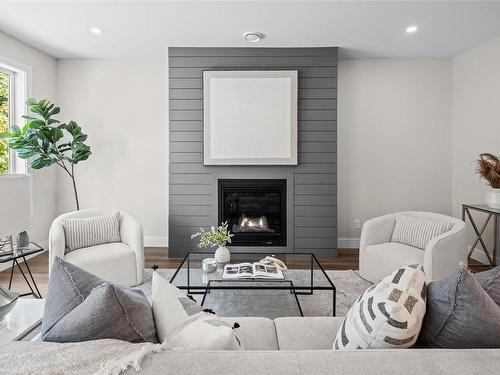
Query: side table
{"x":490,"y":213}
{"x":22,"y":253}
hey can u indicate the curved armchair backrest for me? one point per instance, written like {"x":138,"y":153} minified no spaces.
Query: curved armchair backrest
{"x":435,"y":216}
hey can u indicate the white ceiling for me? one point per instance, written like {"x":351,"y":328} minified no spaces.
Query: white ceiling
{"x":144,"y":28}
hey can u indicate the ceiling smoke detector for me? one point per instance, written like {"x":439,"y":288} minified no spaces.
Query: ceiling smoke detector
{"x":253,"y":36}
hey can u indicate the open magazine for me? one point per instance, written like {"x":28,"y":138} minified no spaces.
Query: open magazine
{"x":251,"y":271}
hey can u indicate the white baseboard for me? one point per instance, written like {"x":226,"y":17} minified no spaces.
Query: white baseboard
{"x":152,"y":241}
{"x":348,"y":243}
{"x":6,"y":266}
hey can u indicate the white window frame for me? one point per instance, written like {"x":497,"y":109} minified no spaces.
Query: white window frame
{"x":19,"y":92}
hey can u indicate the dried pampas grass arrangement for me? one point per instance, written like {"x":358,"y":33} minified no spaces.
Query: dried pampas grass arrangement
{"x":488,"y":168}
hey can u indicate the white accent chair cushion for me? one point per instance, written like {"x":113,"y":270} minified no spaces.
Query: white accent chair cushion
{"x":388,"y":315}
{"x":379,"y":256}
{"x":119,"y":262}
{"x":107,"y":261}
{"x":390,"y":256}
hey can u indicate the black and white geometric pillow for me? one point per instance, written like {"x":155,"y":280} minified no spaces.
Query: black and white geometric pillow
{"x":388,"y":314}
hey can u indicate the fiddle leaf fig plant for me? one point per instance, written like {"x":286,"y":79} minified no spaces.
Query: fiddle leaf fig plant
{"x":46,"y":141}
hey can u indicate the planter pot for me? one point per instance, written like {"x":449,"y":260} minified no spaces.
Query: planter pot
{"x":222,"y":255}
{"x":493,"y":198}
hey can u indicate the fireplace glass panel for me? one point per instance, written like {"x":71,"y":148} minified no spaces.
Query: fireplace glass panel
{"x":255,"y":211}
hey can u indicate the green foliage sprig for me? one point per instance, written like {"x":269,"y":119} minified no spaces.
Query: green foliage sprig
{"x":4,"y":121}
{"x":46,"y":141}
{"x":219,"y":236}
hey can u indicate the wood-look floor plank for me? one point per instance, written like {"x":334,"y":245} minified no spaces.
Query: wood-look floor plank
{"x":346,"y":259}
{"x":153,"y":256}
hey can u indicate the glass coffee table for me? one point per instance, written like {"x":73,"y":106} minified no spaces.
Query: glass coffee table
{"x":305,"y":277}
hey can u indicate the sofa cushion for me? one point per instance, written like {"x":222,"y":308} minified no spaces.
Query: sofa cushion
{"x":97,"y":260}
{"x":417,"y":231}
{"x":183,"y":323}
{"x":322,"y":362}
{"x":387,"y":257}
{"x":490,"y":281}
{"x":255,"y":333}
{"x":460,"y":314}
{"x":308,"y":333}
{"x":82,"y":307}
{"x":389,"y":314}
{"x":91,"y":231}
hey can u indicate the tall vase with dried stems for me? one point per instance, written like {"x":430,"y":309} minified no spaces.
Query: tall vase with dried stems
{"x":488,"y":169}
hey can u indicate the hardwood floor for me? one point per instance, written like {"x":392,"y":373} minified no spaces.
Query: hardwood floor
{"x":346,"y":259}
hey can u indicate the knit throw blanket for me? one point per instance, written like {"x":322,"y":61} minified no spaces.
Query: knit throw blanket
{"x":99,"y":357}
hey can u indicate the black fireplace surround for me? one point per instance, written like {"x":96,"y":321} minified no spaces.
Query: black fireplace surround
{"x":255,"y":210}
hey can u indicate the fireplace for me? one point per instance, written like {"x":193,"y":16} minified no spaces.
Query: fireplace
{"x":255,"y":210}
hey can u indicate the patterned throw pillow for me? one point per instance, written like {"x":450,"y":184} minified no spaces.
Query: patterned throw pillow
{"x":417,"y":231}
{"x":92,"y":231}
{"x":388,"y":314}
{"x":81,"y":307}
{"x":184,"y":324}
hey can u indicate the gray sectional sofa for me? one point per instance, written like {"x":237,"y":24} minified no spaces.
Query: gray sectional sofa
{"x":304,"y":346}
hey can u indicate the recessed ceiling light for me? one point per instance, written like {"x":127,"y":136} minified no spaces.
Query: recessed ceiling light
{"x":412,"y":29}
{"x":95,"y":30}
{"x":253,"y":36}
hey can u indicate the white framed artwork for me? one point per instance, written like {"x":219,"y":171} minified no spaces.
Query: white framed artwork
{"x":250,"y":117}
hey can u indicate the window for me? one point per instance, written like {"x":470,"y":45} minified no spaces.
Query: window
{"x":6,"y":85}
{"x":15,"y":87}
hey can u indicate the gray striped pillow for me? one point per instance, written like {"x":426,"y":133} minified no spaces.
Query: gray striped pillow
{"x":417,"y":231}
{"x":86,"y":232}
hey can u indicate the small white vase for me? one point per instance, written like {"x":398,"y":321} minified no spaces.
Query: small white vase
{"x":493,"y":198}
{"x":222,"y":255}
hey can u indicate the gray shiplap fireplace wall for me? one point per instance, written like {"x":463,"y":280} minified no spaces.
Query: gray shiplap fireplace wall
{"x":311,"y":186}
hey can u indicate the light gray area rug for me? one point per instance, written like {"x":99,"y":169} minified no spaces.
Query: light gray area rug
{"x":278,"y":303}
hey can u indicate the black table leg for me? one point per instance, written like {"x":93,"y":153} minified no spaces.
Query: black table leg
{"x":32,"y":278}
{"x":207,"y":289}
{"x":12,"y":272}
{"x":34,"y":293}
{"x":296,"y":298}
{"x":334,"y":291}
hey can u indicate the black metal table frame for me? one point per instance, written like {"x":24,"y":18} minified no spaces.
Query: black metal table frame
{"x":295,"y":290}
{"x":34,"y":291}
{"x":479,"y":232}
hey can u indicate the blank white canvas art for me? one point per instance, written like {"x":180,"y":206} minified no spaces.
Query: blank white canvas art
{"x":250,"y":117}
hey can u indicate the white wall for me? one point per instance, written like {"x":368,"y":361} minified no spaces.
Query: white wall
{"x":394,"y":138}
{"x":43,"y":195}
{"x":476,"y":120}
{"x":121,"y":105}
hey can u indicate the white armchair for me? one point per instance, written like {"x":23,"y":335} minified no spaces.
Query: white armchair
{"x":120,"y":262}
{"x":378,"y":256}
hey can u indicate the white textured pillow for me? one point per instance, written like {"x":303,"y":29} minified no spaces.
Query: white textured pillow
{"x":417,"y":231}
{"x":182,"y":322}
{"x":388,"y":314}
{"x":92,"y":231}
